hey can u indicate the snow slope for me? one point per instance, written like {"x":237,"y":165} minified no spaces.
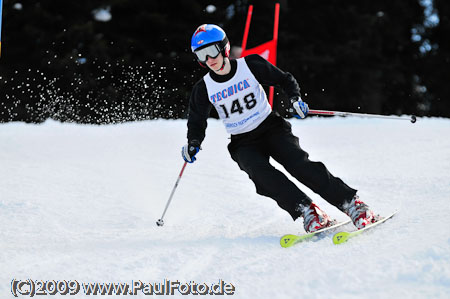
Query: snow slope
{"x":80,"y":202}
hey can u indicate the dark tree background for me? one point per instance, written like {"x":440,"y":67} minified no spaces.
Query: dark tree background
{"x":59,"y":61}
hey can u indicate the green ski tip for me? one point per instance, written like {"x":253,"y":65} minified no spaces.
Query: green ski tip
{"x":289,"y":240}
{"x":341,"y":237}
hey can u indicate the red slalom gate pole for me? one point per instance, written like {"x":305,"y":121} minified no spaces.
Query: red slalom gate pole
{"x":247,"y":27}
{"x":160,"y":221}
{"x":275,"y":38}
{"x":411,"y":118}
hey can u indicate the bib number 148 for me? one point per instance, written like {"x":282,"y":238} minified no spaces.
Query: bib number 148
{"x":236,"y":107}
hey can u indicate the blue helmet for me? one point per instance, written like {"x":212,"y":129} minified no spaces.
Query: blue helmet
{"x":208,"y":34}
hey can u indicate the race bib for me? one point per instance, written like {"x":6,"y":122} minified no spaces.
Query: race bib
{"x":241,"y":102}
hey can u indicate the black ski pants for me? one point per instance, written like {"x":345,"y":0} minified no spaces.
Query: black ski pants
{"x":274,"y":138}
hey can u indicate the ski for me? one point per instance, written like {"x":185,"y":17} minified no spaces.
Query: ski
{"x":343,"y":237}
{"x":290,"y":240}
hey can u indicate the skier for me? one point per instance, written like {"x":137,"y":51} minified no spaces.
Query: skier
{"x":233,"y":87}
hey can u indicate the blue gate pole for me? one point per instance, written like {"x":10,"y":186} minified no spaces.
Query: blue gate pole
{"x":1,"y":5}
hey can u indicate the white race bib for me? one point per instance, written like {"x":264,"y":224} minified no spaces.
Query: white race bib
{"x":241,"y":102}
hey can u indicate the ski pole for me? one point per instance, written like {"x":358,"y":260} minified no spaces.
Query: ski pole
{"x":160,"y":221}
{"x":411,"y":118}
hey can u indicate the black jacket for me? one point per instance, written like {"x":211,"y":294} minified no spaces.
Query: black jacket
{"x":265,"y":72}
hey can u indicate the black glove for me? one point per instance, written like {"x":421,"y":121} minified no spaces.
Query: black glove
{"x":189,"y":151}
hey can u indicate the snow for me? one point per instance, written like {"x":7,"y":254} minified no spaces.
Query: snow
{"x":211,"y":8}
{"x":80,"y":202}
{"x":102,"y":14}
{"x":18,"y":6}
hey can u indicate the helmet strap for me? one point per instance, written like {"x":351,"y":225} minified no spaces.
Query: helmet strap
{"x":223,"y":64}
{"x":202,"y":64}
{"x":225,"y":52}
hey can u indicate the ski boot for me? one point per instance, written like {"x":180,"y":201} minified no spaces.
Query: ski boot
{"x":359,"y":212}
{"x":315,"y":219}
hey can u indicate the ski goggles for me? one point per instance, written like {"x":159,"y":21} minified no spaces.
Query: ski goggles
{"x":211,"y":51}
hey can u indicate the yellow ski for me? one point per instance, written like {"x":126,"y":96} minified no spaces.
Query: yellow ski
{"x":343,"y":237}
{"x":290,"y":240}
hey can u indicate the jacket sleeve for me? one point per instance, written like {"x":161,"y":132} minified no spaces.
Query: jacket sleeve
{"x":268,"y":74}
{"x":199,"y":109}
